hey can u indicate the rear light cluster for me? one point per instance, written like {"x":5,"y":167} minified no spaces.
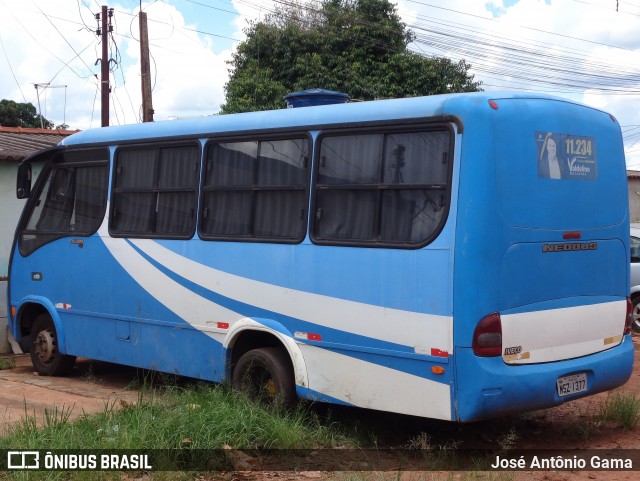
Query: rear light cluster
{"x":629,"y":320}
{"x":487,"y":338}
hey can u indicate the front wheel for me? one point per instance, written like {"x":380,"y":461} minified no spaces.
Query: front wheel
{"x":265,"y":375}
{"x":43,"y":347}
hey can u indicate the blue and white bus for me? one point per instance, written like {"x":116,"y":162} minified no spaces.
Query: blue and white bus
{"x":455,"y":257}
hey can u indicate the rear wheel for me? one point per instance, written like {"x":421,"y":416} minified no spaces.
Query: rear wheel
{"x":265,"y":375}
{"x":635,"y":313}
{"x":45,"y":355}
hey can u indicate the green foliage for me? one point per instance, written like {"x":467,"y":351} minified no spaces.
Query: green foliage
{"x":622,"y":408}
{"x":7,"y":362}
{"x":355,"y":46}
{"x":204,"y":416}
{"x":14,"y":114}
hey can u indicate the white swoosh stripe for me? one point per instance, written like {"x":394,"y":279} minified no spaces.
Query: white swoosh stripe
{"x":194,"y":309}
{"x":408,"y":328}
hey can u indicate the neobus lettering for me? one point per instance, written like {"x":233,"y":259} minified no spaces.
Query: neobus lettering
{"x":577,"y":246}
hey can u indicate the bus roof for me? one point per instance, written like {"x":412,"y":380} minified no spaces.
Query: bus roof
{"x":303,"y":117}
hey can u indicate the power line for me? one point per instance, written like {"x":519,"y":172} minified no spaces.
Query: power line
{"x":12,"y":72}
{"x":64,"y":38}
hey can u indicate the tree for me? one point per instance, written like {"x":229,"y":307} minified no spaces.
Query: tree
{"x":13,"y":114}
{"x":354,"y":46}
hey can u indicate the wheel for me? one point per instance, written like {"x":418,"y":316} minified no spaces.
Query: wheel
{"x":635,"y":313}
{"x":265,"y":375}
{"x":43,"y":346}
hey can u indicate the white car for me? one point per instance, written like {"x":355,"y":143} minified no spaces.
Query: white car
{"x":635,"y":275}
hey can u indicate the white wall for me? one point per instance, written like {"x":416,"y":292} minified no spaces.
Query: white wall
{"x":10,"y":210}
{"x":634,"y":199}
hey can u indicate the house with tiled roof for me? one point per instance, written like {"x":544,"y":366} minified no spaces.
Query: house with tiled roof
{"x":16,"y":144}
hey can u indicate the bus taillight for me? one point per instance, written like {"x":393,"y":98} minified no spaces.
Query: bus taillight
{"x":487,"y":338}
{"x":629,"y":320}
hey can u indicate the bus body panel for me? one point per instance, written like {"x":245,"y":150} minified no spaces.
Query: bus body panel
{"x":381,"y":328}
{"x":535,"y":249}
{"x":547,"y":335}
{"x":488,"y":387}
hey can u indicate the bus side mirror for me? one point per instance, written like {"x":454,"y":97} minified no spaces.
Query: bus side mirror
{"x":23,"y":181}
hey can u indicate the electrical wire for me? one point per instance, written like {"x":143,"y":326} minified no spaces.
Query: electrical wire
{"x":11,"y":69}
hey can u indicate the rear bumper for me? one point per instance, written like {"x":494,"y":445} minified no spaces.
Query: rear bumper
{"x":487,"y":387}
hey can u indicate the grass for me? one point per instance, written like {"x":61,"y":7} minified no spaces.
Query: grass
{"x":208,"y":416}
{"x":622,"y":408}
{"x":7,"y":363}
{"x":180,"y":420}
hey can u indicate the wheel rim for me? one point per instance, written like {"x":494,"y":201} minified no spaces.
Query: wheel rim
{"x":636,"y":317}
{"x":45,"y":346}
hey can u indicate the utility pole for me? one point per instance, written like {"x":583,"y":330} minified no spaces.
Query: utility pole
{"x":103,"y":32}
{"x":145,"y":70}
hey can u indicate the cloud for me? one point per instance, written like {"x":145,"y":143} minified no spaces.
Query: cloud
{"x":188,"y":76}
{"x":42,"y":40}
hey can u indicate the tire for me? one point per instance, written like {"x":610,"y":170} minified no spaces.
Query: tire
{"x":635,"y":313}
{"x":43,"y":347}
{"x":265,"y":376}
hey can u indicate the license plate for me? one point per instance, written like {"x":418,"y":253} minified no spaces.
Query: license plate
{"x":571,"y":384}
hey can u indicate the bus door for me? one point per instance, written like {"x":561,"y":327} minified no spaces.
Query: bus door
{"x":60,"y":259}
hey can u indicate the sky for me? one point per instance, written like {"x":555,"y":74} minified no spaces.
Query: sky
{"x":584,"y":50}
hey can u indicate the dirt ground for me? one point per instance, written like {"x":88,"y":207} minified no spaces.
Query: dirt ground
{"x":86,"y":390}
{"x":570,"y":426}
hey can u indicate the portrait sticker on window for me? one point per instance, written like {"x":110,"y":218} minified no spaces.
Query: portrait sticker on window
{"x":564,"y":156}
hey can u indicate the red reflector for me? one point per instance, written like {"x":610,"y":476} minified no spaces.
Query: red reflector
{"x":223,"y":325}
{"x":439,"y":353}
{"x":487,"y":338}
{"x":314,"y":337}
{"x":571,"y":235}
{"x":493,"y":105}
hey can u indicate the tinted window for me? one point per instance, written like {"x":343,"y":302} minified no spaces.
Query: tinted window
{"x":256,"y":190}
{"x":155,"y":191}
{"x":69,"y":200}
{"x":382,"y":188}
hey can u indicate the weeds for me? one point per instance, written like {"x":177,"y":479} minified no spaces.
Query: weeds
{"x":508,"y":441}
{"x":91,"y":377}
{"x":7,"y":363}
{"x":622,"y":408}
{"x":208,"y":416}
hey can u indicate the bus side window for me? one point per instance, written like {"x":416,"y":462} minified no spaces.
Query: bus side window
{"x":388,"y":189}
{"x":256,"y":190}
{"x":155,"y":191}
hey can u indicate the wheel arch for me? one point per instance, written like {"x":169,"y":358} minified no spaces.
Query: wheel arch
{"x":27,"y":312}
{"x":248,"y":334}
